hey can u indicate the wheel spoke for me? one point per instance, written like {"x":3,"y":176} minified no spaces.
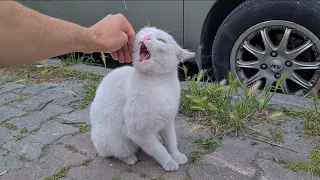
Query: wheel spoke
{"x":248,"y":64}
{"x":296,"y":52}
{"x":299,"y":80}
{"x":297,"y":65}
{"x":253,"y":50}
{"x":269,"y":82}
{"x":284,"y":42}
{"x":254,"y":78}
{"x":267,"y":41}
{"x":284,"y":87}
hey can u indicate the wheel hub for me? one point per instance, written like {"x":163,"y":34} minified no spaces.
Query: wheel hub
{"x":276,"y":65}
{"x":274,"y":48}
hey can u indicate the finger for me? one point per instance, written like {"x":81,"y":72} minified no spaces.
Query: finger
{"x":127,"y":55}
{"x":114,"y":55}
{"x":121,"y":56}
{"x":127,"y":28}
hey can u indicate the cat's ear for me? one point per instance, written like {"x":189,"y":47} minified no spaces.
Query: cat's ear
{"x":184,"y":54}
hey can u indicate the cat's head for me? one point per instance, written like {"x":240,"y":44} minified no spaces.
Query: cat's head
{"x":156,"y":52}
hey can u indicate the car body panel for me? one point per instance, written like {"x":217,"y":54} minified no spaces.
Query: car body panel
{"x":195,"y":13}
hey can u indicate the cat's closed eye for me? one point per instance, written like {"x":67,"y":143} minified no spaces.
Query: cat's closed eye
{"x":162,"y":40}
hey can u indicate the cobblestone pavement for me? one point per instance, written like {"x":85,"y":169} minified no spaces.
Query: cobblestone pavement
{"x":43,"y":136}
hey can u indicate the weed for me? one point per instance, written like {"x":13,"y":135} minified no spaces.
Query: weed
{"x":18,"y":137}
{"x":10,"y":126}
{"x":86,"y":162}
{"x":209,"y":144}
{"x":71,"y":148}
{"x":88,"y":94}
{"x":310,"y":115}
{"x":74,"y":58}
{"x":40,"y":73}
{"x":84,"y":128}
{"x":216,"y":102}
{"x":196,"y":156}
{"x":34,"y":130}
{"x":62,"y":174}
{"x":311,"y":166}
{"x":23,"y":131}
{"x":276,"y":136}
{"x":23,"y":158}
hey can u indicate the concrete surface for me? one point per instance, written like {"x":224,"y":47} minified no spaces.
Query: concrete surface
{"x":53,"y":142}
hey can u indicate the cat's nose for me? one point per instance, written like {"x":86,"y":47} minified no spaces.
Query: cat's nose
{"x":147,"y":37}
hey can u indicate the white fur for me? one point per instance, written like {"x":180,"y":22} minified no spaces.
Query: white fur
{"x":134,"y":104}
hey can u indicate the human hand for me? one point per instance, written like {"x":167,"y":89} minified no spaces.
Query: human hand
{"x":114,"y":34}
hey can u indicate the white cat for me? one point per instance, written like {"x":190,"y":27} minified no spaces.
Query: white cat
{"x":133,"y":104}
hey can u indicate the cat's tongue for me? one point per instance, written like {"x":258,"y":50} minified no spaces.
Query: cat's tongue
{"x":144,"y":57}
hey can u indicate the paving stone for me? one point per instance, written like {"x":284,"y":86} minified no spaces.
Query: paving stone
{"x":77,"y":116}
{"x":291,"y":130}
{"x":36,"y":88}
{"x":82,"y":142}
{"x":9,"y":162}
{"x":45,"y":96}
{"x":210,"y":172}
{"x":31,"y":146}
{"x":235,"y":154}
{"x":5,"y":135}
{"x":2,"y":82}
{"x":56,"y":158}
{"x":274,"y":171}
{"x":35,"y":119}
{"x":7,"y":97}
{"x":184,"y":130}
{"x":10,"y":87}
{"x":99,"y":168}
{"x":132,"y":176}
{"x":7,"y":112}
{"x":99,"y":71}
{"x":51,"y":62}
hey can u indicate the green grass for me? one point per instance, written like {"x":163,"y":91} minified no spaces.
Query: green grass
{"x":205,"y":146}
{"x":196,"y":156}
{"x":75,"y":58}
{"x":214,"y":101}
{"x":87,"y":95}
{"x":10,"y":127}
{"x":312,"y":166}
{"x":71,"y":148}
{"x":83,"y":128}
{"x":310,"y":115}
{"x":41,"y":73}
{"x":62,"y":174}
{"x":209,"y":144}
{"x":276,"y":136}
{"x":23,"y":158}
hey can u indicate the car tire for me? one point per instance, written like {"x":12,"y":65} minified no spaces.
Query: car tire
{"x":252,"y":12}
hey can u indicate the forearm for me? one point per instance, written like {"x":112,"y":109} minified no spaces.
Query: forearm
{"x":27,"y":36}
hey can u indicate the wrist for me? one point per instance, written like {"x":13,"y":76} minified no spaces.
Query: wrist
{"x":85,"y":41}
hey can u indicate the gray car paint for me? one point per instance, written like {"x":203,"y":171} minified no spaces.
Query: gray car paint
{"x":183,"y":18}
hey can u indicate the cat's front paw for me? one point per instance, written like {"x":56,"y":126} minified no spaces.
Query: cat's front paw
{"x":181,"y":159}
{"x":171,"y":166}
{"x":131,"y":160}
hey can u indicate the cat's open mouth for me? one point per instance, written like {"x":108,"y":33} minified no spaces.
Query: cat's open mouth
{"x":144,"y":52}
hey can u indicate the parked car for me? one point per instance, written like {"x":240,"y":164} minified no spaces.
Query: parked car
{"x":254,"y":39}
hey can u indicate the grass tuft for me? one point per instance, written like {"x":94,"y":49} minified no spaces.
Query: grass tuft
{"x":312,"y":166}
{"x":223,"y":105}
{"x":61,"y":174}
{"x":87,"y":95}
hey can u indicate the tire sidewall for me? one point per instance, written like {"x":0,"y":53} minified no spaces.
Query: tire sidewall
{"x":305,"y":13}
